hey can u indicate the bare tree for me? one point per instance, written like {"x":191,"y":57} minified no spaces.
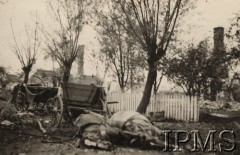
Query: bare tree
{"x":27,"y":52}
{"x":118,"y":49}
{"x":155,"y":22}
{"x":63,"y":42}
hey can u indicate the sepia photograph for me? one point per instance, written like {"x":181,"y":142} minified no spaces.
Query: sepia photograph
{"x":127,"y":77}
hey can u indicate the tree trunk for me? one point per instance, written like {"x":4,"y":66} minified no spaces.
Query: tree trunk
{"x":26,"y":74}
{"x":152,"y":74}
{"x":66,"y":73}
{"x":213,"y":91}
{"x":66,"y":115}
{"x":122,"y":88}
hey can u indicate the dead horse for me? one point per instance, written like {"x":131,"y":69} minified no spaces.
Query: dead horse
{"x":123,"y":127}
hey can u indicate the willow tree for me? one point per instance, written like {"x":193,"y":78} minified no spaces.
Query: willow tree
{"x":27,"y":51}
{"x":233,"y":35}
{"x":63,"y":41}
{"x":152,"y":23}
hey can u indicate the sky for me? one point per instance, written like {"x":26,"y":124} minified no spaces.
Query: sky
{"x":199,"y":23}
{"x":209,"y":14}
{"x":23,"y":12}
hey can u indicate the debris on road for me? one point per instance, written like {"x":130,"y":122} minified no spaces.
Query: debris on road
{"x":41,"y":127}
{"x":7,"y":123}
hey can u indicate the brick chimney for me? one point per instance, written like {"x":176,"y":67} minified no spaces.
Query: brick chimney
{"x":218,"y":38}
{"x":80,"y":60}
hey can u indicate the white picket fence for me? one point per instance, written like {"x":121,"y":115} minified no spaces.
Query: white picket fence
{"x":175,"y":106}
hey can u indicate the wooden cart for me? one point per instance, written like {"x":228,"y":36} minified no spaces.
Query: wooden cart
{"x":50,"y":99}
{"x":70,"y":97}
{"x":23,"y":95}
{"x":79,"y":97}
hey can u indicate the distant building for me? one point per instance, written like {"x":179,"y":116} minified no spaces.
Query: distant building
{"x":85,"y":79}
{"x":10,"y":81}
{"x":80,"y":61}
{"x":47,"y":76}
{"x":80,"y":78}
{"x":44,"y":77}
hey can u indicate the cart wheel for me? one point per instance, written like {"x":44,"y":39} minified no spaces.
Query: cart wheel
{"x":38,"y":105}
{"x":103,"y":106}
{"x":49,"y":106}
{"x":21,"y":103}
{"x":55,"y":112}
{"x":99,"y":105}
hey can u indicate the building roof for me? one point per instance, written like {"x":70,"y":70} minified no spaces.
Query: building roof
{"x":85,"y":79}
{"x":12,"y":78}
{"x":44,"y":73}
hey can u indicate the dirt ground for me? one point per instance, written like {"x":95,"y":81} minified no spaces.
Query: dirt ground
{"x":20,"y":134}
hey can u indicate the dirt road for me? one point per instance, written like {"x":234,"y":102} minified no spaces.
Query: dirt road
{"x":23,"y":136}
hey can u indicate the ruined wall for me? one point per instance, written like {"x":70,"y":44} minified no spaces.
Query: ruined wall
{"x":80,"y":61}
{"x":218,"y":38}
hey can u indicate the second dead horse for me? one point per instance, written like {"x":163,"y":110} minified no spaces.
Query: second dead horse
{"x":123,"y":128}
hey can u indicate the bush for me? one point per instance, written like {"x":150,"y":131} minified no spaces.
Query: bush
{"x":7,"y":111}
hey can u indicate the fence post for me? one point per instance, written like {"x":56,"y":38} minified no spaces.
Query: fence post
{"x":192,"y":109}
{"x":196,"y":110}
{"x":185,"y":108}
{"x":176,"y":106}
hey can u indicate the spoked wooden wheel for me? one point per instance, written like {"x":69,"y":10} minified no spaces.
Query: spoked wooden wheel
{"x":21,"y":103}
{"x":54,"y":113}
{"x":38,"y":106}
{"x":101,"y":105}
